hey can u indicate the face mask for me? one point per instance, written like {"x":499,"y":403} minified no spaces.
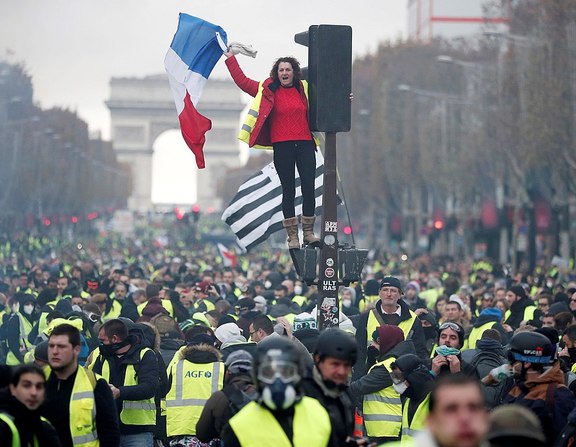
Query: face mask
{"x":430,"y":333}
{"x":298,"y":290}
{"x":110,"y":350}
{"x":28,"y":309}
{"x":15,"y":307}
{"x":400,"y":388}
{"x":446,"y":351}
{"x":346,"y":303}
{"x":267,"y":284}
{"x":279,"y":395}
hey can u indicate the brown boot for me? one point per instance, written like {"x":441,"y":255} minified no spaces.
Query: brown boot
{"x":291,"y":225}
{"x":308,"y":230}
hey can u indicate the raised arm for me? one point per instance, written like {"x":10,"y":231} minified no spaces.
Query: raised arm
{"x":246,"y":84}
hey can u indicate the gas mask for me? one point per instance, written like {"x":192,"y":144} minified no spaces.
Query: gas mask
{"x":278,"y":379}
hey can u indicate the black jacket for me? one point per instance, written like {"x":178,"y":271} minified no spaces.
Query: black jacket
{"x":362,"y":338}
{"x":517,"y":312}
{"x":147,"y":373}
{"x":216,"y":413}
{"x":340,"y":407}
{"x":28,"y":424}
{"x":379,"y":377}
{"x":58,"y":393}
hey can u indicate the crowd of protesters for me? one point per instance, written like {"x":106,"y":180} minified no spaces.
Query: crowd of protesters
{"x":137,"y":344}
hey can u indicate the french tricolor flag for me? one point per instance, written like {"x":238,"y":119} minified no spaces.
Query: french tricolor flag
{"x":193,"y":53}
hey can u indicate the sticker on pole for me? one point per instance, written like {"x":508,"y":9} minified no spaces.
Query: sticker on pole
{"x":329,"y":272}
{"x":328,"y":303}
{"x":329,"y":262}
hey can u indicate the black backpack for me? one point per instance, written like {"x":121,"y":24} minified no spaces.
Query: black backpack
{"x":238,"y":399}
{"x":567,"y":437}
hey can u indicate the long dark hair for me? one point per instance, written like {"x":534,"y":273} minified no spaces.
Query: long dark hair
{"x":295,"y":67}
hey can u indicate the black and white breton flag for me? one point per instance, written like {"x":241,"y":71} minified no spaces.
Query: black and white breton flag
{"x":256,"y":210}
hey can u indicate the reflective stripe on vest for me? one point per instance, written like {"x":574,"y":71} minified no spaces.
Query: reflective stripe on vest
{"x":83,"y":410}
{"x":192,"y":385}
{"x":383,"y":409}
{"x":418,"y":420}
{"x":255,"y":426}
{"x":139,"y":412}
{"x":405,"y":325}
{"x":10,"y":423}
{"x":476,"y":334}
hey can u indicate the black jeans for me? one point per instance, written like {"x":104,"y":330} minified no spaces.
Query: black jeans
{"x":300,"y":154}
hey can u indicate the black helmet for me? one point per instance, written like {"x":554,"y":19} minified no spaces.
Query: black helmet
{"x":277,"y":357}
{"x":408,"y":363}
{"x":531,"y":347}
{"x":334,"y":342}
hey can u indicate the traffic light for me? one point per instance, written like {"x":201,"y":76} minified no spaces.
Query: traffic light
{"x":329,"y":76}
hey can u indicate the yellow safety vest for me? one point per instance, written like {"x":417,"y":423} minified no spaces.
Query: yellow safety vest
{"x":252,"y":116}
{"x":300,"y":300}
{"x":15,"y":434}
{"x":368,"y":299}
{"x":192,"y":385}
{"x":405,"y":325}
{"x":383,"y":409}
{"x":528,"y":313}
{"x":24,"y":328}
{"x":166,"y":304}
{"x":418,"y":421}
{"x":113,"y":313}
{"x":256,"y":426}
{"x":83,"y":409}
{"x":134,"y":412}
{"x":476,"y":334}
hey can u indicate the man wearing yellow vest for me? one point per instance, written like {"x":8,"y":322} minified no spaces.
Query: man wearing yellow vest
{"x":19,"y":326}
{"x":457,"y":416}
{"x":282,"y":416}
{"x":381,"y":404}
{"x":389,"y":309}
{"x":20,"y":420}
{"x":412,"y":380}
{"x":132,"y":372}
{"x":78,"y":403}
{"x":522,"y":308}
{"x":193,"y":377}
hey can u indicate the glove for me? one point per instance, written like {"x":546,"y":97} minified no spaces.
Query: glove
{"x":501,"y":373}
{"x":240,"y":48}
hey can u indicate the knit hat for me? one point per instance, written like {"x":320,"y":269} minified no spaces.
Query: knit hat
{"x":518,"y":290}
{"x":239,"y":362}
{"x":41,"y":351}
{"x":371,"y":287}
{"x":387,"y":336}
{"x":224,"y":332}
{"x":512,"y":423}
{"x":492,"y":312}
{"x":202,"y":286}
{"x":391,"y":281}
{"x":413,"y":285}
{"x":245,"y":304}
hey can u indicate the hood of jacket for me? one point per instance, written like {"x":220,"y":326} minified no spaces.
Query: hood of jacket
{"x":483,"y":319}
{"x":404,"y":347}
{"x":201,"y":353}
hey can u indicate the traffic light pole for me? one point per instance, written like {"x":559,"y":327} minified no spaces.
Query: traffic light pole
{"x":328,"y":306}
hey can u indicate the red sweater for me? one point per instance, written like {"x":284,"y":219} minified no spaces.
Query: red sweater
{"x":289,"y":120}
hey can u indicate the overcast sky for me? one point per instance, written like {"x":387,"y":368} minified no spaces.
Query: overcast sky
{"x":73,"y":47}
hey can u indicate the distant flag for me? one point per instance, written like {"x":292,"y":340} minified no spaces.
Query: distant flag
{"x":228,"y":257}
{"x":256,"y":210}
{"x":193,"y":53}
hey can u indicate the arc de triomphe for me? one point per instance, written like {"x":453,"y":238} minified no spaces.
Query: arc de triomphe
{"x":143,"y":108}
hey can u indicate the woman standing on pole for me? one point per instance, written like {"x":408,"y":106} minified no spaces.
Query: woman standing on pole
{"x":278,"y":117}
